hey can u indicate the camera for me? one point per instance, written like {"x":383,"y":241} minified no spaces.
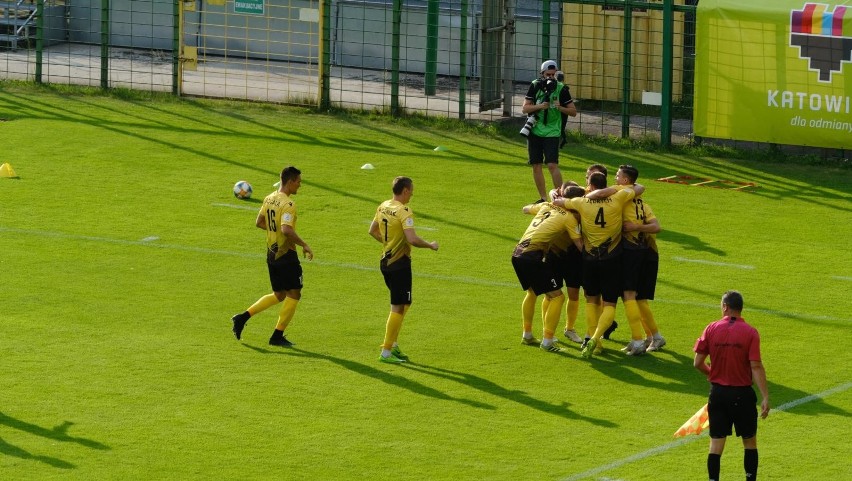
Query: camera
{"x":527,"y":128}
{"x":547,"y":85}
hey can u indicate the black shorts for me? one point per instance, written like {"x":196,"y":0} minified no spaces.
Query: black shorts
{"x":648,"y":279}
{"x":602,"y":277}
{"x":536,"y":274}
{"x":285,"y":273}
{"x":543,"y":149}
{"x":732,"y":406}
{"x":569,"y":265}
{"x":398,"y":279}
{"x":631,"y":268}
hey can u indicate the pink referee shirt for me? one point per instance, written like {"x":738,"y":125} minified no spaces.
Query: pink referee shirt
{"x":732,"y":345}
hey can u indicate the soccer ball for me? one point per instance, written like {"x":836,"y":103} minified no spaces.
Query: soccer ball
{"x":242,"y":190}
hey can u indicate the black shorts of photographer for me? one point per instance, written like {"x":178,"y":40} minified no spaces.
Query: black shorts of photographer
{"x":546,"y":103}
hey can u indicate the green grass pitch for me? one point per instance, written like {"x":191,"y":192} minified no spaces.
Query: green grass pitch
{"x":123,"y":255}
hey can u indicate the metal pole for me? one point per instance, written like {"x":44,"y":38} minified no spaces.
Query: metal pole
{"x":104,"y":44}
{"x":509,"y":59}
{"x":545,"y":29}
{"x":625,"y":74}
{"x":668,"y":64}
{"x":431,"y":47}
{"x":324,"y":100}
{"x":177,"y":50}
{"x":39,"y":39}
{"x":396,"y":18}
{"x":463,"y":60}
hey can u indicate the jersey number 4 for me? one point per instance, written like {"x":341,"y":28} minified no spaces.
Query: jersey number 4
{"x":599,"y":218}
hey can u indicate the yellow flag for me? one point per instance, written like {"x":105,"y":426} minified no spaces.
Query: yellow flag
{"x":695,"y":425}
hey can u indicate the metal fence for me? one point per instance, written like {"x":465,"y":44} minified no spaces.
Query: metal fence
{"x":628,"y":63}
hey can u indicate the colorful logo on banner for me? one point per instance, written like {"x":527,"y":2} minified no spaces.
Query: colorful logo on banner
{"x":824,"y":38}
{"x":777,"y":71}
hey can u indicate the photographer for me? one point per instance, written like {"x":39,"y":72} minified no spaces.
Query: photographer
{"x":546,"y":100}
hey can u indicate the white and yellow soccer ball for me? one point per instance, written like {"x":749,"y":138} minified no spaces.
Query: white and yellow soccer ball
{"x":242,"y":190}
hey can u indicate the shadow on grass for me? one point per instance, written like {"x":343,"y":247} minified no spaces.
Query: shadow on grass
{"x":16,"y":452}
{"x":689,"y":242}
{"x":377,"y":374}
{"x":520,"y":397}
{"x":58,"y":433}
{"x":136,"y":129}
{"x":636,"y":370}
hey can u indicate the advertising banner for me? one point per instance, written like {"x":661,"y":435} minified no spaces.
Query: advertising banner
{"x":249,"y":6}
{"x":777,"y":71}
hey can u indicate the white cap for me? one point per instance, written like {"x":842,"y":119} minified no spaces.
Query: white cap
{"x":548,"y":65}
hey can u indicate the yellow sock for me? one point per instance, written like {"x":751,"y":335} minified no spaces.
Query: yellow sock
{"x":392,"y":328}
{"x":554,"y":313}
{"x":607,"y":316}
{"x":648,"y":317}
{"x":263,"y":303}
{"x":591,"y":318}
{"x":634,"y":318}
{"x":571,"y":314}
{"x":528,"y":310}
{"x":285,"y":315}
{"x":545,"y":304}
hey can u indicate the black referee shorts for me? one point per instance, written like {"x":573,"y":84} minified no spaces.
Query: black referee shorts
{"x":732,"y":406}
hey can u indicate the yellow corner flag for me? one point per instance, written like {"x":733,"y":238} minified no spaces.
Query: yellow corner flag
{"x":695,"y":425}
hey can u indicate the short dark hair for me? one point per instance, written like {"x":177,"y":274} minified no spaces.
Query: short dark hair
{"x":597,"y":167}
{"x":733,"y":299}
{"x":631,"y":172}
{"x":573,"y":191}
{"x":597,"y":180}
{"x":289,"y":173}
{"x":400,"y":183}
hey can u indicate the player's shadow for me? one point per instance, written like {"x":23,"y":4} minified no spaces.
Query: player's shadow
{"x":58,"y":433}
{"x":661,"y":364}
{"x":689,"y":242}
{"x":377,"y":374}
{"x":16,"y":452}
{"x":558,"y":409}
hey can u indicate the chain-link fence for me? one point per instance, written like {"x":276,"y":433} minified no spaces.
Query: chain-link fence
{"x":628,"y":63}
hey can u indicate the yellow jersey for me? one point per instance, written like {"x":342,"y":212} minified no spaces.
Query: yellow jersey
{"x":393,"y":218}
{"x":600,"y":220}
{"x":278,"y":209}
{"x":551,"y":229}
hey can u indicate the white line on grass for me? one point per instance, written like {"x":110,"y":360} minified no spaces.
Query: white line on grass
{"x":460,"y":279}
{"x":842,"y":278}
{"x":691,"y":439}
{"x":241,"y":207}
{"x":723,"y":264}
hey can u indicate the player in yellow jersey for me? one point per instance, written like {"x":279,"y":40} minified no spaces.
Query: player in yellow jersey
{"x":640,"y":262}
{"x":601,"y":224}
{"x":593,"y":311}
{"x":638,"y":221}
{"x":393,"y":227}
{"x":277,"y":217}
{"x":569,"y":263}
{"x":537,"y":264}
